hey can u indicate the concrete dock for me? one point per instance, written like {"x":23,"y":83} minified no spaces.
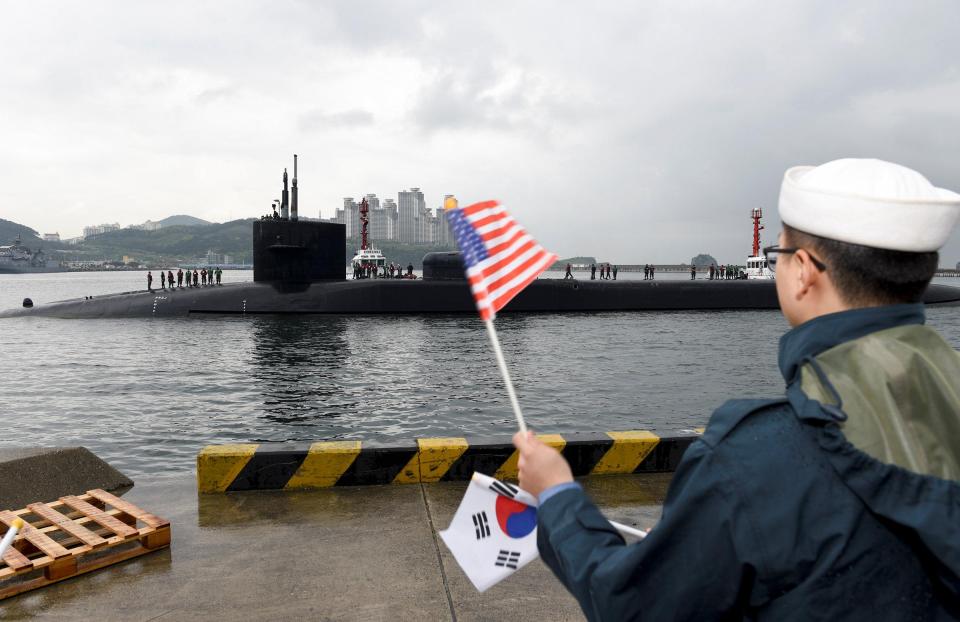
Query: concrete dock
{"x":345,"y":553}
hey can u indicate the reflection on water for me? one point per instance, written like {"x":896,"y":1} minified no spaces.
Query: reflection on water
{"x":147,"y":394}
{"x":295,"y":366}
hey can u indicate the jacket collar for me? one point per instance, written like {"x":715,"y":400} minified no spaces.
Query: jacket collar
{"x":824,"y":332}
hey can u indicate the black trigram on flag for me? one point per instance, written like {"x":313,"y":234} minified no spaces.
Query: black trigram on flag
{"x":504,"y":489}
{"x":508,"y":559}
{"x":481,"y":525}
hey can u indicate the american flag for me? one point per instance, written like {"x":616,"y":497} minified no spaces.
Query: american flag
{"x":500,"y":256}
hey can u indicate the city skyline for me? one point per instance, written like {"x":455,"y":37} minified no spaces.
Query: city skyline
{"x":407,"y":220}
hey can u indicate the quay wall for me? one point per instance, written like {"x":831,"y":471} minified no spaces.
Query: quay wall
{"x":290,"y":466}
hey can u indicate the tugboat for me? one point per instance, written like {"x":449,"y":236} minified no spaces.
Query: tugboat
{"x":367,"y":256}
{"x":757,"y":267}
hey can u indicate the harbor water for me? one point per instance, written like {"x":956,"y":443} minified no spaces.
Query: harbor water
{"x":147,"y":394}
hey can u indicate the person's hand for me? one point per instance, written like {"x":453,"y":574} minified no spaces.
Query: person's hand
{"x":541,"y":466}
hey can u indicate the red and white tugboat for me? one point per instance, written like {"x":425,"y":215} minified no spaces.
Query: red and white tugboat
{"x":368,"y":259}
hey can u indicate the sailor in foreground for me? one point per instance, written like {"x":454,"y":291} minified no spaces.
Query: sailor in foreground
{"x":838,"y":501}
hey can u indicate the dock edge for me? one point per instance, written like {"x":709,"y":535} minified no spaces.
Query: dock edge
{"x":294,"y":466}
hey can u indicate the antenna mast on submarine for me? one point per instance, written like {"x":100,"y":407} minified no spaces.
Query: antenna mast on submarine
{"x":293,"y":191}
{"x":285,"y":199}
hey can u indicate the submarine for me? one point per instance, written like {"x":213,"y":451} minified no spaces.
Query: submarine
{"x":299,"y":269}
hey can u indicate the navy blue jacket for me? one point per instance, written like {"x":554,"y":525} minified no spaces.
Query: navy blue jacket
{"x":773,"y":515}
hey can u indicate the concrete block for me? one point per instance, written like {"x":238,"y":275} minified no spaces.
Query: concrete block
{"x":31,"y":474}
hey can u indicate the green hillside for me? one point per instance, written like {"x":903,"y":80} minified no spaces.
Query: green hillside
{"x":9,"y":231}
{"x":182,"y":243}
{"x":183,"y":219}
{"x":174,"y":243}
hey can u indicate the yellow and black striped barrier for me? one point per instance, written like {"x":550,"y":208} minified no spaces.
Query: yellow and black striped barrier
{"x":274,"y":466}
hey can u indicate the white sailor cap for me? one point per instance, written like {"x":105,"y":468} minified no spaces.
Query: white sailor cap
{"x":869,"y":202}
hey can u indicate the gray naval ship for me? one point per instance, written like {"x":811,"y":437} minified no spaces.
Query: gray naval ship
{"x":299,"y":268}
{"x":16,"y":258}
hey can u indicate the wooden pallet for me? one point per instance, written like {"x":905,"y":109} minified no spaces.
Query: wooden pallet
{"x":74,"y":535}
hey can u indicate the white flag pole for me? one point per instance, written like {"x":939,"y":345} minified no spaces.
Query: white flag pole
{"x":628,"y":531}
{"x":15,"y":527}
{"x":506,"y":375}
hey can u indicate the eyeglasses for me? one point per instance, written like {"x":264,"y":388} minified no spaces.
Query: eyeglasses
{"x":770,"y":252}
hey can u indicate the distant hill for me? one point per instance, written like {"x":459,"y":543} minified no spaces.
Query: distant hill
{"x":182,"y":219}
{"x":9,"y":231}
{"x":704,"y":260}
{"x":179,"y":242}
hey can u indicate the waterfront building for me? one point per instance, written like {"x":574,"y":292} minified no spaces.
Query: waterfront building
{"x":214,"y":258}
{"x":98,"y":229}
{"x":382,"y":220}
{"x":441,"y":228}
{"x":51,"y":237}
{"x":407,"y":220}
{"x":392,"y":219}
{"x":410,"y":206}
{"x":147,"y":226}
{"x":383,"y":223}
{"x":351,"y":217}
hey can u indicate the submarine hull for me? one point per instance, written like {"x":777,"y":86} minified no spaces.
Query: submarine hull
{"x":398,"y":296}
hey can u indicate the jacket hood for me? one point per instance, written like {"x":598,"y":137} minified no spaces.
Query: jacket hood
{"x":824,"y":332}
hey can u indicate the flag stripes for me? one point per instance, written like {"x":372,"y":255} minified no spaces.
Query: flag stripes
{"x":349,"y":463}
{"x":500,"y":257}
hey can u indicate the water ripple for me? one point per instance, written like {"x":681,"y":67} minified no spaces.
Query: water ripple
{"x":147,"y":394}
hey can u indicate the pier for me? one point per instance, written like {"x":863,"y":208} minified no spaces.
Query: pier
{"x":346,"y":553}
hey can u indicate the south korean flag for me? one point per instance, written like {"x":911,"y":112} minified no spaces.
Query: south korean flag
{"x":494,"y":532}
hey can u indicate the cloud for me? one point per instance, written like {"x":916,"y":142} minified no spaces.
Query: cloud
{"x":633,"y":131}
{"x":216,"y":94}
{"x":317,"y":120}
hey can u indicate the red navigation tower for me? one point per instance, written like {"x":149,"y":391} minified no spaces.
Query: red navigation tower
{"x":756,"y":215}
{"x":364,"y":222}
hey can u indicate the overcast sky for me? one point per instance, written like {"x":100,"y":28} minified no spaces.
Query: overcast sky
{"x":632,"y":131}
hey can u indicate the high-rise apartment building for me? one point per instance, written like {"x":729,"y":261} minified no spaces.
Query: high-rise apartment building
{"x":408,"y":220}
{"x":98,"y":229}
{"x":392,"y":219}
{"x":425,"y":226}
{"x":351,"y":217}
{"x":441,"y":230}
{"x":410,"y":205}
{"x":380,"y":226}
{"x":383,"y":224}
